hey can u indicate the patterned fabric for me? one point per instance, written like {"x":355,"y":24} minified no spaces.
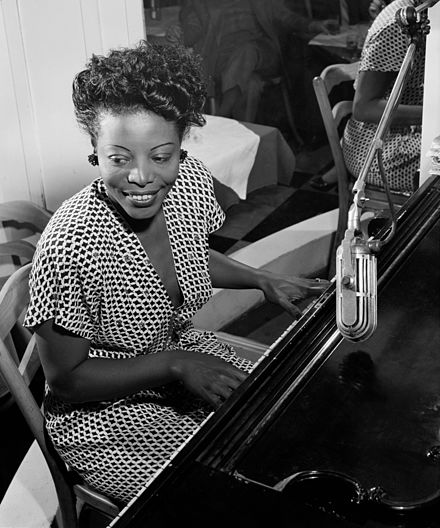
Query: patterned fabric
{"x":384,"y":50}
{"x":93,"y":277}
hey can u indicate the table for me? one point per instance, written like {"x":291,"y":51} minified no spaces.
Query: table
{"x":274,"y":165}
{"x":337,"y":46}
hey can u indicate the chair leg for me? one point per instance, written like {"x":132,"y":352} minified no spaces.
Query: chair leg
{"x":344,"y":206}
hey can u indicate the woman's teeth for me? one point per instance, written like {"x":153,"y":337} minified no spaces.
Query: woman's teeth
{"x":144,"y":198}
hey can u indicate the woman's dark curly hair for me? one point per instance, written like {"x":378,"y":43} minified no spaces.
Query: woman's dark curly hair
{"x":166,"y":80}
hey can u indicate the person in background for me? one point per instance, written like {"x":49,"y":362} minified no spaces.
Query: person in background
{"x":122,"y":268}
{"x":240,"y":42}
{"x":382,"y":56}
{"x":376,"y":7}
{"x":315,"y":58}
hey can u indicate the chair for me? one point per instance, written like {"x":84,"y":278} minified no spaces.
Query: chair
{"x":22,"y":224}
{"x":72,"y":494}
{"x":334,"y":118}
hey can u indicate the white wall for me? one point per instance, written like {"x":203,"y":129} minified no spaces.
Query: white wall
{"x":431,"y":105}
{"x":43,"y":44}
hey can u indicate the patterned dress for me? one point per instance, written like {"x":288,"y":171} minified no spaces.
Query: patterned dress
{"x":384,"y":50}
{"x":93,"y":277}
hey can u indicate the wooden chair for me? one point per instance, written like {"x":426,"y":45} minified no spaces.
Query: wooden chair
{"x":22,"y":223}
{"x":18,"y":374}
{"x":334,"y":118}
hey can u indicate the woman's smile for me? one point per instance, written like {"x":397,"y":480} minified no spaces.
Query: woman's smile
{"x":142,"y":199}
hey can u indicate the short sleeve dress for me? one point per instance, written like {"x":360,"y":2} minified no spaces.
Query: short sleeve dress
{"x":384,"y":50}
{"x":93,"y":277}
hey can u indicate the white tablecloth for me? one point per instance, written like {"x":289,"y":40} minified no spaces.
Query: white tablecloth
{"x":227,"y":148}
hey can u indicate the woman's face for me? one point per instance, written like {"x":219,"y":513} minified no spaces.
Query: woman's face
{"x":138,"y":159}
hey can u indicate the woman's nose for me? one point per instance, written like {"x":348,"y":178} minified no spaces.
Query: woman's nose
{"x":141,"y":174}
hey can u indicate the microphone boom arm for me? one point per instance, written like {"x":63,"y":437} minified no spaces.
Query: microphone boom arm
{"x":408,"y":21}
{"x":356,"y":265}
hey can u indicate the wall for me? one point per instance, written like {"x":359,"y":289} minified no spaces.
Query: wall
{"x":43,"y":44}
{"x":431,"y":111}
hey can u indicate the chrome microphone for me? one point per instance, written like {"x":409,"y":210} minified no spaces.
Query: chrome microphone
{"x":356,"y":288}
{"x":356,"y":278}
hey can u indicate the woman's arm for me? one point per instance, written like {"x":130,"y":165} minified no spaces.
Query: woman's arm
{"x":76,"y":378}
{"x":228,"y":273}
{"x":369,"y":102}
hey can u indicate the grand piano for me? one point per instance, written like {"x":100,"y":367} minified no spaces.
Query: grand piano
{"x":327,"y":432}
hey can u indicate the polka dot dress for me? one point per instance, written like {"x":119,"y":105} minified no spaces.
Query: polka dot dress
{"x":384,"y":50}
{"x":93,"y":277}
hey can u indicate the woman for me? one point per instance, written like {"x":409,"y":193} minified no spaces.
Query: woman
{"x":382,"y":56}
{"x":121,"y":269}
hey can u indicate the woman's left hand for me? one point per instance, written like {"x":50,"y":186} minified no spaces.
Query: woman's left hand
{"x":284,"y":290}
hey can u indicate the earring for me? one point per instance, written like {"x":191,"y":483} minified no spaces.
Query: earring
{"x":183,"y":155}
{"x":93,"y":159}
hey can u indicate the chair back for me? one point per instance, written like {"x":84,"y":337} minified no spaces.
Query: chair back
{"x":22,"y":223}
{"x":23,"y":218}
{"x":331,"y":77}
{"x":18,"y":368}
{"x":334,"y":118}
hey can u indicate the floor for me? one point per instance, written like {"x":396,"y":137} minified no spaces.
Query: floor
{"x":264,"y":211}
{"x":272,"y":208}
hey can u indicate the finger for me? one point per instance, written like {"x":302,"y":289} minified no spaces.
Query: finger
{"x":318,"y":285}
{"x":233,"y":375}
{"x":290,"y":307}
{"x":215,"y":400}
{"x":226,"y":384}
{"x":224,"y":392}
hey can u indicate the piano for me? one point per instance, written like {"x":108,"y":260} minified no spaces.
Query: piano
{"x":327,"y":432}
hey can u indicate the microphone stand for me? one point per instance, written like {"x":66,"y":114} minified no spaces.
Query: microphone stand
{"x":356,"y":281}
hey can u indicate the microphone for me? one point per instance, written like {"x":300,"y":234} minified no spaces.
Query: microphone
{"x":356,"y":287}
{"x":356,"y":266}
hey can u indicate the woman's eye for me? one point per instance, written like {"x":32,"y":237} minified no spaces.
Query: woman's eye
{"x":118,"y":161}
{"x":161,"y":159}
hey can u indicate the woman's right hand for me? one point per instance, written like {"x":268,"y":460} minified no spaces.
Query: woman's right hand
{"x":207,"y":376}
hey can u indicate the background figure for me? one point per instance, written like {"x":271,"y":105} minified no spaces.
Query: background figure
{"x":315,"y":59}
{"x":239,"y":41}
{"x":382,"y":56}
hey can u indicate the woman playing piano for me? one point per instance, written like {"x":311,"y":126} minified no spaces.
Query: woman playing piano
{"x":121,"y":269}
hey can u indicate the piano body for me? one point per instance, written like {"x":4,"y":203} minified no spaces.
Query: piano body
{"x":327,"y":432}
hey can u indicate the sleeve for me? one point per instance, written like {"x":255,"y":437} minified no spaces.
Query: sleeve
{"x":214,"y":214}
{"x":195,"y":192}
{"x":385,"y":50}
{"x":59,"y":291}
